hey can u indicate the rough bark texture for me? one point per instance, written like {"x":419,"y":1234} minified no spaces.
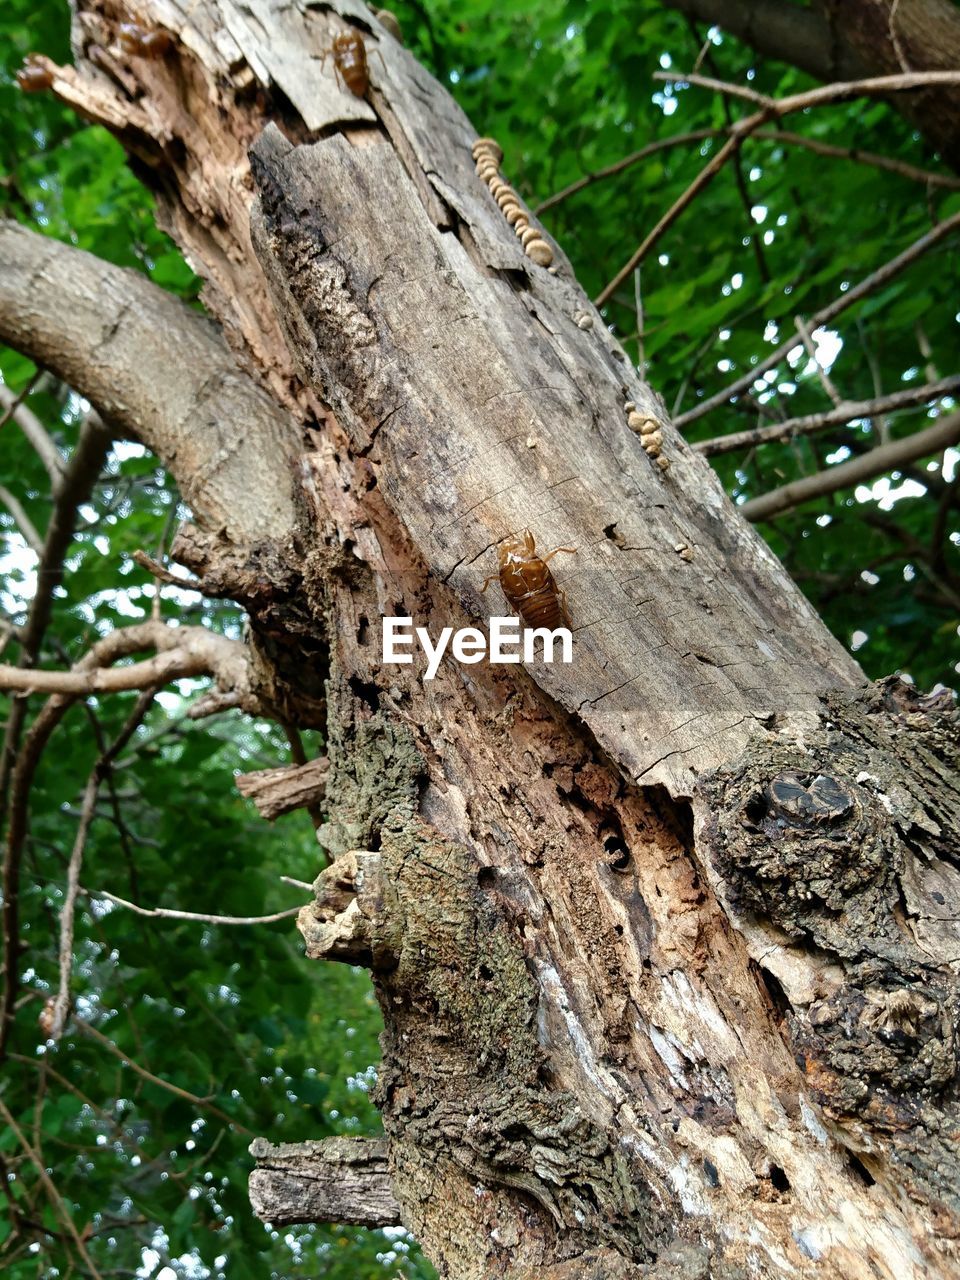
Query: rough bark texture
{"x":664,"y":940}
{"x":336,"y":1180}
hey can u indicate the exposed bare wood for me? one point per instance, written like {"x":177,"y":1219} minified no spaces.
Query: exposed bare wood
{"x":279,"y":791}
{"x":335,"y":1180}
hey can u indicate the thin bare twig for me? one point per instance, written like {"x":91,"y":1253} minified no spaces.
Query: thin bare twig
{"x":846,"y":411}
{"x":830,"y":150}
{"x":877,"y":462}
{"x":662,"y":144}
{"x":163,"y":574}
{"x":60,"y":1009}
{"x":297,"y":884}
{"x":54,"y":1195}
{"x":204,"y":1103}
{"x":868,"y":87}
{"x":198,"y":917}
{"x":868,"y":285}
{"x":638,"y":296}
{"x":76,"y":486}
{"x":702,"y":180}
{"x":825,"y":380}
{"x":855,"y":154}
{"x":769,"y":108}
{"x":22,"y":521}
{"x":224,"y":656}
{"x":36,"y":433}
{"x":15,"y":400}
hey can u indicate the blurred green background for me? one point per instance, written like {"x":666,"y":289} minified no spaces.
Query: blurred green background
{"x":237,"y":1017}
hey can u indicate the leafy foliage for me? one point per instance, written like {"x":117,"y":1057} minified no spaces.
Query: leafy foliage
{"x":190,"y":1038}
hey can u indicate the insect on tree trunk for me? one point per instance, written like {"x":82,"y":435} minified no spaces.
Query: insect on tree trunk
{"x":665,"y":939}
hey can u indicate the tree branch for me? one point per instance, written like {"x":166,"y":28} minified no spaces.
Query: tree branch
{"x":770,"y":108}
{"x":53,"y":1194}
{"x":888,"y":163}
{"x":182,"y":652}
{"x":34,"y":430}
{"x":73,"y":489}
{"x":225,"y":657}
{"x":23,"y":522}
{"x":203,"y":1103}
{"x":846,"y":411}
{"x":866,"y":286}
{"x":60,"y":1007}
{"x":169,"y":913}
{"x":875,"y":463}
{"x":95,"y":326}
{"x":662,"y":144}
{"x":335,"y":1180}
{"x":779,"y":30}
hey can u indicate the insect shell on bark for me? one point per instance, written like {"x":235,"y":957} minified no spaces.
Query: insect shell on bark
{"x":33,"y":76}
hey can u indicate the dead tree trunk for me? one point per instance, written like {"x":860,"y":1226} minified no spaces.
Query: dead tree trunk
{"x":664,"y":940}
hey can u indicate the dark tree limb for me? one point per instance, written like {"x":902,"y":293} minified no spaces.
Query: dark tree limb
{"x":782,"y":30}
{"x":336,"y":1180}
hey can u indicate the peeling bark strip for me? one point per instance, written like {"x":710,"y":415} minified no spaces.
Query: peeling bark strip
{"x":336,"y":1180}
{"x":665,"y":983}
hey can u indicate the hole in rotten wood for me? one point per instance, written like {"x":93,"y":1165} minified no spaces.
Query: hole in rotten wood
{"x":616,"y":852}
{"x":712,"y":1173}
{"x":487,"y":877}
{"x":366,"y":691}
{"x":779,"y":1178}
{"x":775,"y":993}
{"x":363,"y":630}
{"x":860,"y":1170}
{"x":610,"y":531}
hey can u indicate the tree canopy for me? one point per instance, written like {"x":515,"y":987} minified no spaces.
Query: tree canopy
{"x":192,"y":1036}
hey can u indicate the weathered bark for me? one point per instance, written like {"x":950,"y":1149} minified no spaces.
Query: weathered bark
{"x":279,"y":791}
{"x":664,"y":940}
{"x":336,"y":1180}
{"x":850,"y":39}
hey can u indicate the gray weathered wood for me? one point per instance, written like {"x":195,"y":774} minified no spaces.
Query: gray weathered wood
{"x":334,"y":1180}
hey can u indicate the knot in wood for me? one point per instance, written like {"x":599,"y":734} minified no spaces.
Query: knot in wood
{"x":819,"y":801}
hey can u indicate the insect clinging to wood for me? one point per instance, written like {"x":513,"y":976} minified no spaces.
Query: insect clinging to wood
{"x":33,"y":76}
{"x":350,"y":61}
{"x":139,"y":42}
{"x":528,"y":584}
